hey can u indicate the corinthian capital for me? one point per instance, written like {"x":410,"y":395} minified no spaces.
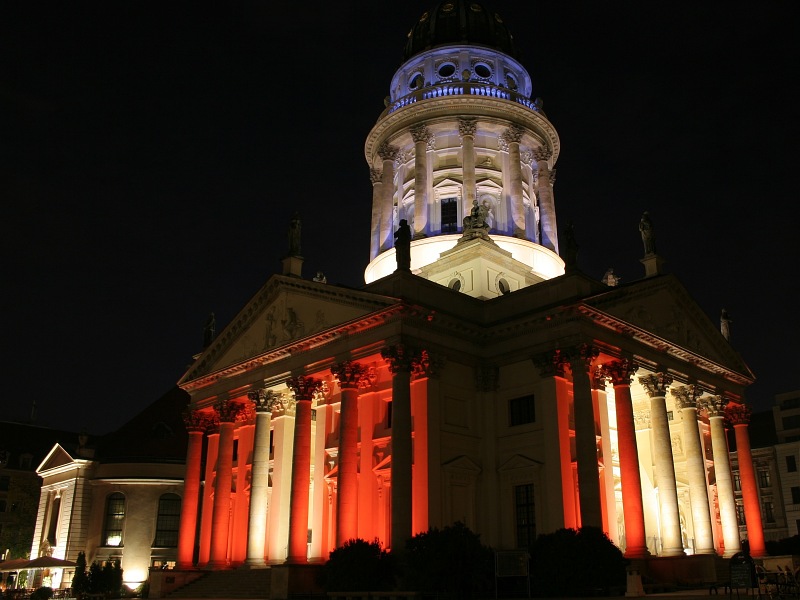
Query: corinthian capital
{"x":416,"y":361}
{"x":513,"y":134}
{"x":196,"y":420}
{"x":686,"y":396}
{"x":349,"y":373}
{"x":303,"y":387}
{"x":263,"y":399}
{"x":467,"y":127}
{"x":738,"y":413}
{"x":375,"y":176}
{"x":657,"y":384}
{"x":526,"y":157}
{"x":227,"y":410}
{"x":388,"y":152}
{"x":542,"y":154}
{"x":714,"y":405}
{"x":619,"y":372}
{"x":551,"y":364}
{"x":582,"y":356}
{"x":420,"y":133}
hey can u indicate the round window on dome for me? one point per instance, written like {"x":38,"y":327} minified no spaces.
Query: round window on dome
{"x":503,"y":287}
{"x":511,"y":81}
{"x":476,"y":7}
{"x":415,"y":82}
{"x":424,"y":17}
{"x":483,"y":70}
{"x":455,"y":284}
{"x":447,"y":70}
{"x":448,"y":7}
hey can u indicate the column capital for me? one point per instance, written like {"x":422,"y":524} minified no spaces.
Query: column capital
{"x":375,"y":176}
{"x":542,"y":154}
{"x":551,"y":364}
{"x":227,"y":410}
{"x":351,"y":374}
{"x":487,"y":377}
{"x":714,"y":405}
{"x":686,"y":396}
{"x":467,"y":126}
{"x":416,"y":361}
{"x":195,"y":420}
{"x":656,"y":384}
{"x":420,"y":133}
{"x":513,"y":134}
{"x":526,"y":157}
{"x":263,"y":399}
{"x":303,"y":387}
{"x":582,"y":355}
{"x":388,"y":152}
{"x":738,"y":413}
{"x":619,"y":372}
{"x":502,"y":143}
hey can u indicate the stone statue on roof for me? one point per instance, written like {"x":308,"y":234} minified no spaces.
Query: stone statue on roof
{"x":648,"y":234}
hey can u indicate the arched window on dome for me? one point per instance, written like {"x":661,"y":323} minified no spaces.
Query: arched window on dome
{"x":115,"y":520}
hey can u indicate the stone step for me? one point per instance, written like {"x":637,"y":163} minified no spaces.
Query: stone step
{"x":234,"y":583}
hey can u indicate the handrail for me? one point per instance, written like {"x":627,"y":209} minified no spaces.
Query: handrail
{"x":462,"y":89}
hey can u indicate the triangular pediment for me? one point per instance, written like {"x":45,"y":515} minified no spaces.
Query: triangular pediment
{"x":518,"y":461}
{"x":57,"y":458}
{"x":663,"y":309}
{"x":285,"y":311}
{"x":462,"y":463}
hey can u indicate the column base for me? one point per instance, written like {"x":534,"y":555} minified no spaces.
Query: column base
{"x":254,"y":563}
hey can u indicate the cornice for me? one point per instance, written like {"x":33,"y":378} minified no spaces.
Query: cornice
{"x":485,"y":107}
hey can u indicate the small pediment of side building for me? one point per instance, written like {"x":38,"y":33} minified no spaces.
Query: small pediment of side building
{"x":517,"y":462}
{"x":462,"y":464}
{"x":663,"y":310}
{"x":56,"y":459}
{"x":285,"y":311}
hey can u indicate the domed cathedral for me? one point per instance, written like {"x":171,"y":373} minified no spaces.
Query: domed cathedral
{"x":460,"y":152}
{"x":479,"y":376}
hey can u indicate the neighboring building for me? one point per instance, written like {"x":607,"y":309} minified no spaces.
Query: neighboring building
{"x":119,"y":500}
{"x":479,"y":376}
{"x":22,"y":447}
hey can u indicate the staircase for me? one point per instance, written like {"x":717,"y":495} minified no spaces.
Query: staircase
{"x":236,"y":583}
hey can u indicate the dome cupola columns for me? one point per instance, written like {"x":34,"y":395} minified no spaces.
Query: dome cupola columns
{"x":461,"y":134}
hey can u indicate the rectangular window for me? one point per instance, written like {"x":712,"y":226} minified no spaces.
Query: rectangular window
{"x":5,"y":483}
{"x":763,"y":478}
{"x":235,"y":450}
{"x":670,"y":415}
{"x":525,"y":515}
{"x":389,"y":415}
{"x":737,"y":481}
{"x":795,"y":495}
{"x":791,"y":463}
{"x":769,"y":512}
{"x":521,"y":410}
{"x":740,"y":513}
{"x":115,"y":520}
{"x":449,"y":215}
{"x":271,"y":442}
{"x":168,"y":522}
{"x":2,"y":506}
{"x":792,"y":422}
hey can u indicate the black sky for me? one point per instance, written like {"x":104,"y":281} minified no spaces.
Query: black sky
{"x":153,"y":153}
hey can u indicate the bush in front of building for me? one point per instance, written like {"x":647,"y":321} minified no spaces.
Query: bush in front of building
{"x":451,"y":562}
{"x":358,"y":566}
{"x":582,"y":562}
{"x":43,"y":593}
{"x":80,"y":581}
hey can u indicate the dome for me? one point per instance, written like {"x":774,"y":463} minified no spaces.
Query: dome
{"x":459,"y":22}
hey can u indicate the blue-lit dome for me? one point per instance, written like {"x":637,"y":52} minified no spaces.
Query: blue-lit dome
{"x":451,"y":22}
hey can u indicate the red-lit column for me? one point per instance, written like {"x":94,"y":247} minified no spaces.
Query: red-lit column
{"x":715,"y":407}
{"x":620,"y":373}
{"x":263,"y":400}
{"x":586,"y":437}
{"x":349,"y":375}
{"x":656,"y":386}
{"x":686,"y":403}
{"x":227,"y":411}
{"x":739,"y":416}
{"x":400,"y":360}
{"x":304,"y":388}
{"x":196,"y":424}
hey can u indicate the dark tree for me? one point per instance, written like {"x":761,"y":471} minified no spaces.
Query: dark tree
{"x":358,"y":566}
{"x":80,"y":581}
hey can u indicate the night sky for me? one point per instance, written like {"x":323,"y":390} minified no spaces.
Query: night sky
{"x":152,"y":155}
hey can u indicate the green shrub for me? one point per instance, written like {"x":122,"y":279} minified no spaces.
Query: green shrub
{"x":573,"y":562}
{"x":451,"y":562}
{"x":43,"y":593}
{"x":80,"y":581}
{"x":358,"y":566}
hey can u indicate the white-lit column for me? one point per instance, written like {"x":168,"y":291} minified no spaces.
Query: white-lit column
{"x":656,"y":386}
{"x":259,"y":485}
{"x":686,"y":403}
{"x":547,"y":207}
{"x":375,"y":177}
{"x":513,"y":135}
{"x":715,"y":407}
{"x":388,"y":155}
{"x":420,"y":135}
{"x":466,"y":129}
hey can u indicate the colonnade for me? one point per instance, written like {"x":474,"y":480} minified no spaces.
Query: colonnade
{"x":385,"y":185}
{"x":353,"y":377}
{"x":689,"y":400}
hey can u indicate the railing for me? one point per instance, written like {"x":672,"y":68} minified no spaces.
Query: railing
{"x":462,"y":89}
